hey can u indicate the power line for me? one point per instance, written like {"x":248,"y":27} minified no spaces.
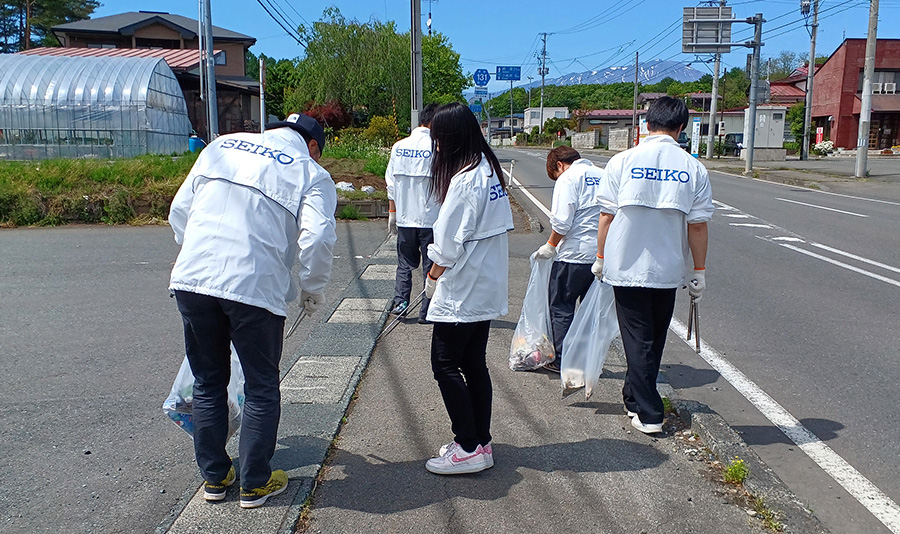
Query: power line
{"x":292,"y":34}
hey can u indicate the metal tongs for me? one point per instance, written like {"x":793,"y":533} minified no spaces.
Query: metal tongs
{"x":294,"y":326}
{"x":694,"y":322}
{"x":397,"y":320}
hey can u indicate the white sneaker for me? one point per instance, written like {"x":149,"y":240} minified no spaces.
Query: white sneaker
{"x":646,"y":428}
{"x":456,"y":461}
{"x":629,"y":413}
{"x":488,"y":451}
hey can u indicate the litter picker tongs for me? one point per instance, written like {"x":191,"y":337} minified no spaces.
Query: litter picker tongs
{"x":294,"y":326}
{"x":694,"y":323}
{"x":397,"y":320}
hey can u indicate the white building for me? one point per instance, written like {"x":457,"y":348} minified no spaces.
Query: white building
{"x":533,"y":116}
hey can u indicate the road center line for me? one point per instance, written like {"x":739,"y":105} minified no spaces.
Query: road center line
{"x":821,"y":207}
{"x":842,"y":264}
{"x":855,"y":257}
{"x":810,"y":190}
{"x":862,"y":489}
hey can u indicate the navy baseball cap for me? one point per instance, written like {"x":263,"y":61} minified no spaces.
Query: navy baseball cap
{"x":307,"y":126}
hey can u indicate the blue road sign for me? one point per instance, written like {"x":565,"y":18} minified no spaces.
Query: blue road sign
{"x":476,"y":108}
{"x":481,"y":77}
{"x":509,"y":73}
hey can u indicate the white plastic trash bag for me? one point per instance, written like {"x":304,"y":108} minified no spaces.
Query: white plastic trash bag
{"x":593,"y":329}
{"x":532,"y":346}
{"x":179,"y":406}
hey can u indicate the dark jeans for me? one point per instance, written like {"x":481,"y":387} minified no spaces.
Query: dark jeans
{"x":458,"y":362}
{"x":644,"y":316}
{"x":210,"y":324}
{"x":412,"y":247}
{"x":569,"y":282}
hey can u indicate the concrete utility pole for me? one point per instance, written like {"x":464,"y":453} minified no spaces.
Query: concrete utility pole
{"x":807,"y":113}
{"x":543,"y":73}
{"x":262,"y":95}
{"x":416,"y":63}
{"x":634,"y":133}
{"x":529,"y":90}
{"x":754,"y":83}
{"x":212,"y":103}
{"x":865,"y":110}
{"x":511,"y":110}
{"x":711,"y":134}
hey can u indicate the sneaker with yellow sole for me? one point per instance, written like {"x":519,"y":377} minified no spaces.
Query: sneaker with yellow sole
{"x":252,"y":498}
{"x":215,"y":491}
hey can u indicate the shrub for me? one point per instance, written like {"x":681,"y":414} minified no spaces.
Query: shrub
{"x":350,"y":212}
{"x":382,"y":131}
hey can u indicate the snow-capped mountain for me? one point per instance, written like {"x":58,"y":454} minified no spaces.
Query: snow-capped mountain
{"x":650,"y":72}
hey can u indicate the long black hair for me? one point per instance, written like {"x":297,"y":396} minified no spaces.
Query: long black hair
{"x":458,"y":146}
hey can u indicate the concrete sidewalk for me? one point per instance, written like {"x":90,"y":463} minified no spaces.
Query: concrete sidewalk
{"x":562,"y":464}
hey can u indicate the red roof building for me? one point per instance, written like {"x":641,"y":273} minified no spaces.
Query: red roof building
{"x":837,"y":94}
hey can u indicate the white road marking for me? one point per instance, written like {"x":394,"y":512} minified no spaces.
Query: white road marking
{"x":862,"y":489}
{"x":736,"y":215}
{"x":842,"y":264}
{"x":879,"y":201}
{"x":855,"y":257}
{"x":751,"y":225}
{"x":821,"y":207}
{"x":528,"y":194}
{"x":791,"y":239}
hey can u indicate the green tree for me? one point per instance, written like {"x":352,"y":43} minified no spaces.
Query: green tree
{"x":443,"y":80}
{"x":27,"y":23}
{"x":795,"y":116}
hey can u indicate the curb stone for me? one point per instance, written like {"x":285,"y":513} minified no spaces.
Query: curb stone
{"x":762,"y":482}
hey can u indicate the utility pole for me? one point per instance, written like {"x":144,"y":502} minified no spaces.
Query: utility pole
{"x":262,"y":95}
{"x":416,"y":63}
{"x":212,"y":103}
{"x":754,"y":83}
{"x":807,"y":113}
{"x":543,"y":73}
{"x":529,"y":90}
{"x":865,"y":110}
{"x":428,"y":22}
{"x":511,"y":110}
{"x":634,"y":134}
{"x":711,"y":134}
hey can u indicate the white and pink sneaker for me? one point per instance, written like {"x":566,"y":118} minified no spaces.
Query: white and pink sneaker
{"x":455,"y":461}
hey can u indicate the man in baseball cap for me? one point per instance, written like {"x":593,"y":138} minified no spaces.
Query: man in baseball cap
{"x":307,"y":126}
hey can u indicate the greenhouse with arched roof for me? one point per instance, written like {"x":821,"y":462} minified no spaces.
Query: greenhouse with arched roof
{"x":100,"y":107}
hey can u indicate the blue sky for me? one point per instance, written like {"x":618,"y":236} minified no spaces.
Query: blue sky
{"x":584,"y":34}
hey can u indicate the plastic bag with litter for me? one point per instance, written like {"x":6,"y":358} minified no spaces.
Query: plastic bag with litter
{"x":532,"y":346}
{"x":593,"y":329}
{"x":179,"y":405}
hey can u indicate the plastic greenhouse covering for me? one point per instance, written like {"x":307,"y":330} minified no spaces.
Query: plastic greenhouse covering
{"x":73,"y":107}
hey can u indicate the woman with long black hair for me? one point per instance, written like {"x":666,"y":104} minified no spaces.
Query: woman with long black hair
{"x":467,"y":283}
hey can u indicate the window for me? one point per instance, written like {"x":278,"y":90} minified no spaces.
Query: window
{"x":157,"y":43}
{"x":535,"y":115}
{"x":220,"y":58}
{"x":880,"y":77}
{"x":560,"y":114}
{"x":102,"y":45}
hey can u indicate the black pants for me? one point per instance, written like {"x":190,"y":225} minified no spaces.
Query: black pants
{"x":644,"y":315}
{"x":569,"y":282}
{"x":412,"y":246}
{"x":458,"y":361}
{"x":210,"y":324}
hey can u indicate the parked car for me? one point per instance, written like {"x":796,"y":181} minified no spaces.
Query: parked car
{"x":683,"y":141}
{"x":734,"y":142}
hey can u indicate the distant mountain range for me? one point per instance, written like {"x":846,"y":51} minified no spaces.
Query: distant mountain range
{"x":650,"y":72}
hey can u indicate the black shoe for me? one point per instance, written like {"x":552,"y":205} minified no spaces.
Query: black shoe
{"x":400,"y":308}
{"x":424,"y":321}
{"x":553,"y":366}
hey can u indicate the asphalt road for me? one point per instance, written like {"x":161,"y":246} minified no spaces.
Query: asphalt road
{"x":802,"y":293}
{"x":90,"y":344}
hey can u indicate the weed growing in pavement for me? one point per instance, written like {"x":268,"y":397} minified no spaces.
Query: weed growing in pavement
{"x":769,"y":518}
{"x":350,"y":212}
{"x":668,"y":407}
{"x":736,"y":471}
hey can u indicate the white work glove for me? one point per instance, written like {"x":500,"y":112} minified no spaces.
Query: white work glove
{"x":430,"y":286}
{"x":392,"y":222}
{"x":311,"y":301}
{"x":697,"y":284}
{"x":546,"y":251}
{"x":597,"y":268}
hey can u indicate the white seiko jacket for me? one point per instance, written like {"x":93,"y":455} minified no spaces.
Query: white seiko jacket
{"x":575,"y":212}
{"x":251,"y":204}
{"x":408,"y":178}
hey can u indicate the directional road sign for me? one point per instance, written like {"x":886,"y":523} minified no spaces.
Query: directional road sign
{"x":509,"y":73}
{"x":481,"y":91}
{"x":481,"y":77}
{"x":476,"y":108}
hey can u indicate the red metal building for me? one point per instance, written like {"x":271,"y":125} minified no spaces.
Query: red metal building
{"x":837,"y":94}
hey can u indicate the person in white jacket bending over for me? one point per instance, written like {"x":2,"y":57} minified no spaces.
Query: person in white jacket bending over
{"x":655,"y":202}
{"x":413,"y":209}
{"x":251,"y":205}
{"x":573,"y":238}
{"x":468,"y":282}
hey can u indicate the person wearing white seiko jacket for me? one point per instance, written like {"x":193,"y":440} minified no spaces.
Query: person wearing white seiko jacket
{"x":468,"y":283}
{"x":251,"y":205}
{"x":655,"y":203}
{"x":573,"y":238}
{"x":413,"y":208}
